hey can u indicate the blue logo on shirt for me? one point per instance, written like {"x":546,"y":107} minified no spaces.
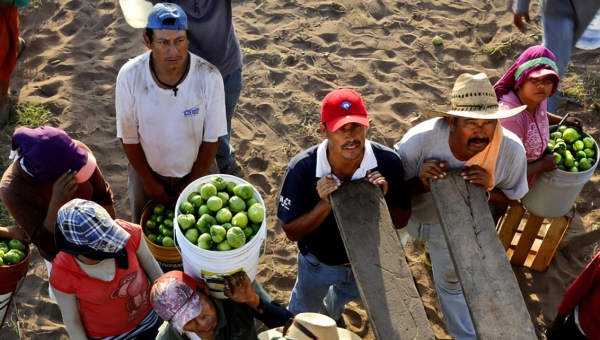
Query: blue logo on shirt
{"x":191,"y":112}
{"x":346,"y":105}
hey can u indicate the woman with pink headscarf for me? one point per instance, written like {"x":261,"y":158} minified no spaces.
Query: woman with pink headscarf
{"x":530,"y":81}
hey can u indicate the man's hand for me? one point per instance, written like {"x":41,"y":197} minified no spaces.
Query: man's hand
{"x":14,"y":232}
{"x":432,"y":169}
{"x":548,"y":163}
{"x":476,"y":175}
{"x":377,"y":179}
{"x":156,"y":191}
{"x":326,"y":185}
{"x":64,"y":188}
{"x":238,"y":288}
{"x":519,"y":18}
{"x":574,"y":122}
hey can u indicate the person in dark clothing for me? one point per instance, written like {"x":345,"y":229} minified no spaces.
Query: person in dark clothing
{"x":190,"y":312}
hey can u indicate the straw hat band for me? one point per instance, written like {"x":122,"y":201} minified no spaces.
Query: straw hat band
{"x":473,"y":108}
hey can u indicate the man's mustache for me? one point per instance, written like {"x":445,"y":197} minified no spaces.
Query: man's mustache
{"x":478,"y":140}
{"x":351,"y":144}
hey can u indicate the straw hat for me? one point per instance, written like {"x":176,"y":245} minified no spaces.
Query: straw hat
{"x":473,"y":96}
{"x":309,"y":326}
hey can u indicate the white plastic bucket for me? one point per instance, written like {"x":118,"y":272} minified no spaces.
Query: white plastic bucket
{"x":136,"y":12}
{"x":590,"y":40}
{"x":554,"y":192}
{"x":207,"y":264}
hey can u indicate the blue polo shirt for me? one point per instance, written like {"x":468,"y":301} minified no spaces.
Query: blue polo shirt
{"x":299,"y":195}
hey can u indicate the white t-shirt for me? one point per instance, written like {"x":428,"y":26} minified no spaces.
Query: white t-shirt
{"x":429,"y":139}
{"x":170,"y":128}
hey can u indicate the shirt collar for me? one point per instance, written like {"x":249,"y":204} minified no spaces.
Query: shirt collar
{"x":323,"y":168}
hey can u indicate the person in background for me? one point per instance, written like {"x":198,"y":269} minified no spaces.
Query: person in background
{"x":578,"y":315}
{"x":212,"y":37}
{"x":11,"y":46}
{"x":190,"y":312}
{"x":563,"y":23}
{"x":101,"y":277}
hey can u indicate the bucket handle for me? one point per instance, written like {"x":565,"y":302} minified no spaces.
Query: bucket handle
{"x":264,"y":249}
{"x":176,"y":246}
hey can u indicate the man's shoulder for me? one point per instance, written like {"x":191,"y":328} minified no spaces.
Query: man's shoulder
{"x":198,"y":64}
{"x":427,"y":129}
{"x":307,"y":158}
{"x":510,"y":141}
{"x":383,"y":152}
{"x":134,"y":65}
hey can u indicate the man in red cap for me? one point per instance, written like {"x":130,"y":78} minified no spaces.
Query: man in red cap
{"x":325,"y":281}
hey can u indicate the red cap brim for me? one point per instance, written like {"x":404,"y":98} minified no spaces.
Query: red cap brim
{"x":336,"y":123}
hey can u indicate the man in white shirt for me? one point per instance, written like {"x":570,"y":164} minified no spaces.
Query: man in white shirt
{"x":170,"y":108}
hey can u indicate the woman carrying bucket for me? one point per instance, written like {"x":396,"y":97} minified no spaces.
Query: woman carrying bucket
{"x":101,"y":277}
{"x":530,"y":81}
{"x":190,"y":312}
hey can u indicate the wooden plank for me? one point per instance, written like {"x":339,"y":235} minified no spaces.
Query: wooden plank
{"x":554,"y":236}
{"x":491,"y":290}
{"x":511,"y":224}
{"x":384,"y":280}
{"x":528,"y":236}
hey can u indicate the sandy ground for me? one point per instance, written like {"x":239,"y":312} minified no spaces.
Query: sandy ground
{"x":295,"y":51}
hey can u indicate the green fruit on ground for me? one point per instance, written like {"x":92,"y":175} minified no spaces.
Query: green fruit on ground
{"x":205,"y":241}
{"x":562,"y":128}
{"x":223,"y":246}
{"x":150,"y":224}
{"x":167,"y":241}
{"x":224,"y":197}
{"x":237,"y":204}
{"x":219,"y":183}
{"x":248,"y":232}
{"x":240,"y":220}
{"x":569,"y":161}
{"x":160,"y":219}
{"x":255,"y":227}
{"x":230,"y":186}
{"x":579,"y":155}
{"x":245,"y":191}
{"x":214,"y":204}
{"x":562,"y":167}
{"x":256,"y":213}
{"x":227,"y":226}
{"x":588,"y":142}
{"x":159,"y":209}
{"x":584,"y":164}
{"x":153,"y":217}
{"x":560,"y":148}
{"x":192,"y":235}
{"x":573,"y":169}
{"x":151,"y":238}
{"x":186,"y":208}
{"x":159,"y":239}
{"x":578,"y":146}
{"x":224,"y":216}
{"x":236,"y":237}
{"x":589,"y":153}
{"x":3,"y":247}
{"x":570,"y":135}
{"x":168,"y":223}
{"x":203,"y":210}
{"x":170,"y":214}
{"x":11,"y":258}
{"x":197,"y":201}
{"x":252,"y":201}
{"x":559,"y":158}
{"x":16,"y":244}
{"x":207,"y":191}
{"x":437,"y":40}
{"x":217,"y":233}
{"x":205,"y":222}
{"x":185,"y":221}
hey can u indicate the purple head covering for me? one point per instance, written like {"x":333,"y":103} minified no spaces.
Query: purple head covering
{"x":48,"y":152}
{"x":534,"y":58}
{"x":174,"y":299}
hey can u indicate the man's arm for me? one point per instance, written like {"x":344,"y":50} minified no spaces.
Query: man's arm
{"x":136,"y":156}
{"x":204,"y":160}
{"x":521,"y":9}
{"x":14,"y":232}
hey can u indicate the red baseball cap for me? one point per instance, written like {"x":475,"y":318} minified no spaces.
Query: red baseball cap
{"x":343,"y":106}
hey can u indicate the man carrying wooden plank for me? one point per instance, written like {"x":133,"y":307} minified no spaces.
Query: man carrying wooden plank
{"x":468,"y":137}
{"x":325,"y":281}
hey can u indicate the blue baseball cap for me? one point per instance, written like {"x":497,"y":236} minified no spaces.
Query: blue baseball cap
{"x":162,"y":11}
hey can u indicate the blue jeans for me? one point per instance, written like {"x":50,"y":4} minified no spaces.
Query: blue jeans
{"x":454,"y":306}
{"x":319,"y":285}
{"x":560,"y":34}
{"x":226,"y":153}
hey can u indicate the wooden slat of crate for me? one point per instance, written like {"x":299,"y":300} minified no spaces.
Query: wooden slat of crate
{"x":527,"y":239}
{"x":553,"y":237}
{"x":510,"y":224}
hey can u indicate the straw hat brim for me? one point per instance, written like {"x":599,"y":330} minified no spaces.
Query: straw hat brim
{"x":500,"y":114}
{"x":342,"y":333}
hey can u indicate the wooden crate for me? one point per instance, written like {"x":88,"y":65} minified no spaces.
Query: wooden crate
{"x":530,"y":240}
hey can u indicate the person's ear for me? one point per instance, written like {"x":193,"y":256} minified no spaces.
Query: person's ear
{"x":451,"y":123}
{"x":147,"y":41}
{"x":203,"y":286}
{"x":323,"y":129}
